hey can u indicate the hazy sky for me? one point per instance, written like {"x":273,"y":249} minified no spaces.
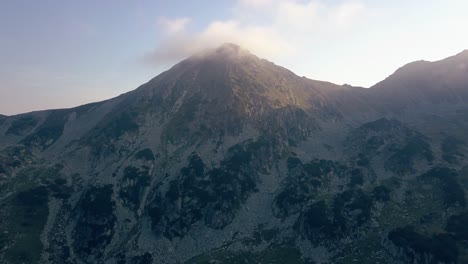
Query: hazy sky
{"x":57,"y":53}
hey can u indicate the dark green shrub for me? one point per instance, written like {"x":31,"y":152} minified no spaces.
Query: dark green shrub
{"x":441,"y":246}
{"x":145,"y":154}
{"x":381,"y":193}
{"x":96,"y":222}
{"x":22,"y":124}
{"x":293,"y":162}
{"x":357,"y":178}
{"x":453,"y":192}
{"x":458,"y":225}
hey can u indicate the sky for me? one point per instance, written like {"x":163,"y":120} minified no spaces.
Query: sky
{"x":57,"y":54}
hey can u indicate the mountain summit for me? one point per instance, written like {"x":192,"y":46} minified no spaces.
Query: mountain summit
{"x":235,"y":76}
{"x":229,"y":158}
{"x":227,"y":89}
{"x":423,"y":81}
{"x":227,"y":50}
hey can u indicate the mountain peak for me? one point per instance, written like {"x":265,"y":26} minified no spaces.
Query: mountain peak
{"x":230,"y":79}
{"x":229,"y":47}
{"x":461,"y":56}
{"x":464,"y":52}
{"x":225,"y":51}
{"x":231,"y":50}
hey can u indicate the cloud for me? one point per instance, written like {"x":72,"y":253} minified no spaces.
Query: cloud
{"x":173,"y":26}
{"x":260,"y":39}
{"x":256,"y":3}
{"x":263,"y":41}
{"x":318,"y":16}
{"x":347,"y":13}
{"x":273,"y":29}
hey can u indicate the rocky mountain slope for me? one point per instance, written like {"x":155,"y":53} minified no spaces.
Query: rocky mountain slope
{"x":229,"y":158}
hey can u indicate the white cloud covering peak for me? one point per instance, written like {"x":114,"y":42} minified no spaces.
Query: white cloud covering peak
{"x":286,"y":26}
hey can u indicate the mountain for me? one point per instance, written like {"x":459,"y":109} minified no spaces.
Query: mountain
{"x":229,"y":158}
{"x":424,"y":82}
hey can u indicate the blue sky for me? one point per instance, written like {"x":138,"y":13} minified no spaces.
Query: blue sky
{"x":65,"y":53}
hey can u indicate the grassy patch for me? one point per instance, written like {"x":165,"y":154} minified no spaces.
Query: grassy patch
{"x":26,"y":220}
{"x":49,"y":131}
{"x":403,"y":159}
{"x":22,"y":124}
{"x":446,"y":179}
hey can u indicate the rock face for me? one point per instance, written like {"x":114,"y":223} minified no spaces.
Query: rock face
{"x":228,"y":158}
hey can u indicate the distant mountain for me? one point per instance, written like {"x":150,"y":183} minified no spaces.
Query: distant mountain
{"x":424,"y":82}
{"x":229,"y":158}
